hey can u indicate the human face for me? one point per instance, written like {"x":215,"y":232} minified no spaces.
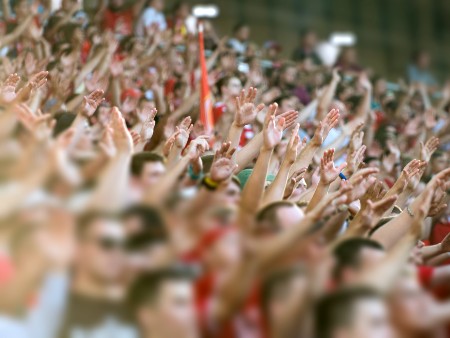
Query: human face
{"x":229,"y":192}
{"x":289,"y":76}
{"x":151,"y":172}
{"x":370,"y":321}
{"x":234,"y":87}
{"x":368,"y":258}
{"x":408,"y":304}
{"x":100,"y":252}
{"x":291,"y":103}
{"x":158,"y":5}
{"x":173,"y":314}
{"x":243,"y":34}
{"x":283,"y":295}
{"x":439,"y":163}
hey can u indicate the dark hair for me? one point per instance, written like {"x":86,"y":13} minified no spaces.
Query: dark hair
{"x":224,"y":82}
{"x":267,"y":218}
{"x":86,"y":220}
{"x":437,"y":154}
{"x":276,"y":280}
{"x":337,"y":310}
{"x":145,"y":290}
{"x":68,"y":31}
{"x":63,"y":122}
{"x":154,"y":230}
{"x":140,"y":159}
{"x":347,"y":253}
{"x":278,"y":100}
{"x":239,"y":26}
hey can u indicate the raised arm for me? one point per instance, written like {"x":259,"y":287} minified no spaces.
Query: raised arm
{"x":305,"y":157}
{"x":254,"y":189}
{"x":246,"y":112}
{"x":328,"y":174}
{"x":275,"y":192}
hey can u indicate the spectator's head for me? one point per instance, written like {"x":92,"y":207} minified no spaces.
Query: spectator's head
{"x":181,"y":9}
{"x":72,"y":33}
{"x":21,"y":8}
{"x":280,"y":292}
{"x":227,"y":62}
{"x":241,"y":31}
{"x":141,"y":218}
{"x":147,"y":239}
{"x":348,"y":57}
{"x":277,"y":216}
{"x":229,"y":87}
{"x":288,"y":75}
{"x":353,"y":256}
{"x":163,"y":303}
{"x":287,"y":102}
{"x":439,"y":161}
{"x":409,"y":305}
{"x":308,"y":39}
{"x":100,"y":254}
{"x":147,"y":168}
{"x":157,"y":4}
{"x":229,"y":192}
{"x":421,"y":58}
{"x":68,"y":5}
{"x":352,"y":313}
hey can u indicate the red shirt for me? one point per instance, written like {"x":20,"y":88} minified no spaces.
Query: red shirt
{"x":119,"y":22}
{"x":247,"y":322}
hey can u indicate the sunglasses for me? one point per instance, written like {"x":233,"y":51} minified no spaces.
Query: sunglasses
{"x":109,"y":244}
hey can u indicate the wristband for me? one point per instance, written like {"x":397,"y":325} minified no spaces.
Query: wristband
{"x":209,"y":184}
{"x":192,"y":175}
{"x":342,"y":176}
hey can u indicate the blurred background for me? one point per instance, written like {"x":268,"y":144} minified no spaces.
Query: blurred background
{"x":387,"y":31}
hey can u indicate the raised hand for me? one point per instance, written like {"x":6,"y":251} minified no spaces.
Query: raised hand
{"x":273,"y":128}
{"x":292,"y":147}
{"x":328,"y":172}
{"x":329,"y":122}
{"x":356,"y":140}
{"x":429,"y":148}
{"x":37,"y":124}
{"x":36,"y":81}
{"x":294,"y":182}
{"x":182,"y":132}
{"x":91,"y":102}
{"x":246,"y":110}
{"x":223,"y":165}
{"x":355,"y":159}
{"x":290,"y":118}
{"x":411,"y":170}
{"x":375,"y":193}
{"x":148,"y":125}
{"x":121,"y":136}
{"x":197,"y":147}
{"x":359,"y":187}
{"x":8,"y":88}
{"x":373,"y":211}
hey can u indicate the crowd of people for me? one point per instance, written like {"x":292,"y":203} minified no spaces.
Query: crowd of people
{"x":315,"y":208}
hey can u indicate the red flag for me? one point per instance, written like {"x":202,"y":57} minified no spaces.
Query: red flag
{"x":206,"y":114}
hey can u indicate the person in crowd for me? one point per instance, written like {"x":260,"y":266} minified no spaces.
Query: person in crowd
{"x":314,"y":205}
{"x":241,"y":35}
